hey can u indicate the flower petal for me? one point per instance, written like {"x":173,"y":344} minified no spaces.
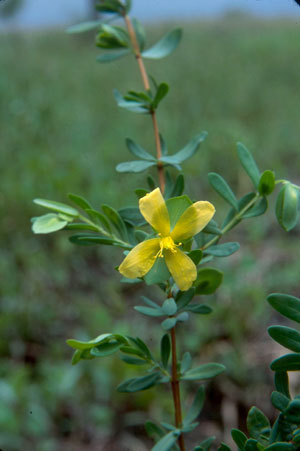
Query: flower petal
{"x":154,"y":210}
{"x":193,"y":220}
{"x":140,"y":259}
{"x":182,"y":268}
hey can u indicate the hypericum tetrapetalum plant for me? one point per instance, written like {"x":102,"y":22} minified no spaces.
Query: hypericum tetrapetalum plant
{"x":172,"y":250}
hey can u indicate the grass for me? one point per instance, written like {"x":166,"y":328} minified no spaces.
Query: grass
{"x":62,"y":132}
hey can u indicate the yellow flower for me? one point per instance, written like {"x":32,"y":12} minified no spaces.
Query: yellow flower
{"x":142,"y":257}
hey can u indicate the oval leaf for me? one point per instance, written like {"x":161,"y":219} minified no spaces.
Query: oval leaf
{"x":288,"y":362}
{"x":48,"y":223}
{"x":165,"y":349}
{"x":134,"y":166}
{"x":285,"y":304}
{"x":248,"y":164}
{"x":169,"y":307}
{"x":57,"y":206}
{"x":138,"y":151}
{"x":208,"y":280}
{"x":165,"y":46}
{"x":286,"y":336}
{"x":202,"y":372}
{"x":222,"y":188}
{"x":222,"y":250}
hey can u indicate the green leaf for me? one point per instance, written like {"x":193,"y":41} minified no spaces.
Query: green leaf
{"x":134,"y":166}
{"x":208,"y":280}
{"x":153,"y":430}
{"x":165,"y":46}
{"x":251,"y":445}
{"x":116,"y":220}
{"x":288,"y":362}
{"x":257,"y":210}
{"x":182,"y":317}
{"x":133,"y":106}
{"x":183,"y":298}
{"x":248,"y":164}
{"x":239,"y":438}
{"x":84,"y":26}
{"x":280,"y":446}
{"x":140,"y":192}
{"x":222,"y":188}
{"x":106,"y":349}
{"x":139,"y":383}
{"x":279,"y":401}
{"x":141,"y":346}
{"x":109,"y":6}
{"x":187,"y":152}
{"x":212,"y":228}
{"x":132,"y":215}
{"x":286,"y":336}
{"x":140,"y":33}
{"x":128,"y":6}
{"x":81,"y":226}
{"x":281,"y":380}
{"x":99,"y":218}
{"x":178,"y":187}
{"x":224,"y":447}
{"x":169,"y":307}
{"x":292,"y":413}
{"x":132,"y":351}
{"x":285,"y":304}
{"x":287,"y":206}
{"x":149,"y":311}
{"x":169,"y":323}
{"x":166,"y":442}
{"x":80,"y":201}
{"x":165,"y":349}
{"x":138,"y":151}
{"x":112,"y":56}
{"x":88,"y":239}
{"x":258,"y":424}
{"x":222,"y":250}
{"x":48,"y":223}
{"x":151,"y":182}
{"x":201,"y":309}
{"x":150,"y":303}
{"x":206,"y":444}
{"x":161,"y":92}
{"x":185,"y":362}
{"x":196,"y":255}
{"x":57,"y":206}
{"x":103,"y":338}
{"x":112,"y":36}
{"x":159,"y":273}
{"x":203,"y":372}
{"x":176,"y":207}
{"x":266,"y":183}
{"x":133,"y":360}
{"x":196,"y":407}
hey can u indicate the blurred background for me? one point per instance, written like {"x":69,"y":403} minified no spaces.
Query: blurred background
{"x":236,"y":75}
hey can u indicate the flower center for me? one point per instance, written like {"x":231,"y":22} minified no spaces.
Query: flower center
{"x":166,"y":242}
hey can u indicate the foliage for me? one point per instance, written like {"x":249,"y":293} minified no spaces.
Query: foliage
{"x":173,"y":223}
{"x":40,"y":137}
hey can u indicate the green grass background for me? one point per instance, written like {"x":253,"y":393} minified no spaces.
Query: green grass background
{"x":62,"y":132}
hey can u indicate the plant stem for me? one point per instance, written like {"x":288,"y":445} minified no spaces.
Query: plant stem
{"x":161,"y":176}
{"x":176,"y":390}
{"x":231,"y":223}
{"x":137,"y":53}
